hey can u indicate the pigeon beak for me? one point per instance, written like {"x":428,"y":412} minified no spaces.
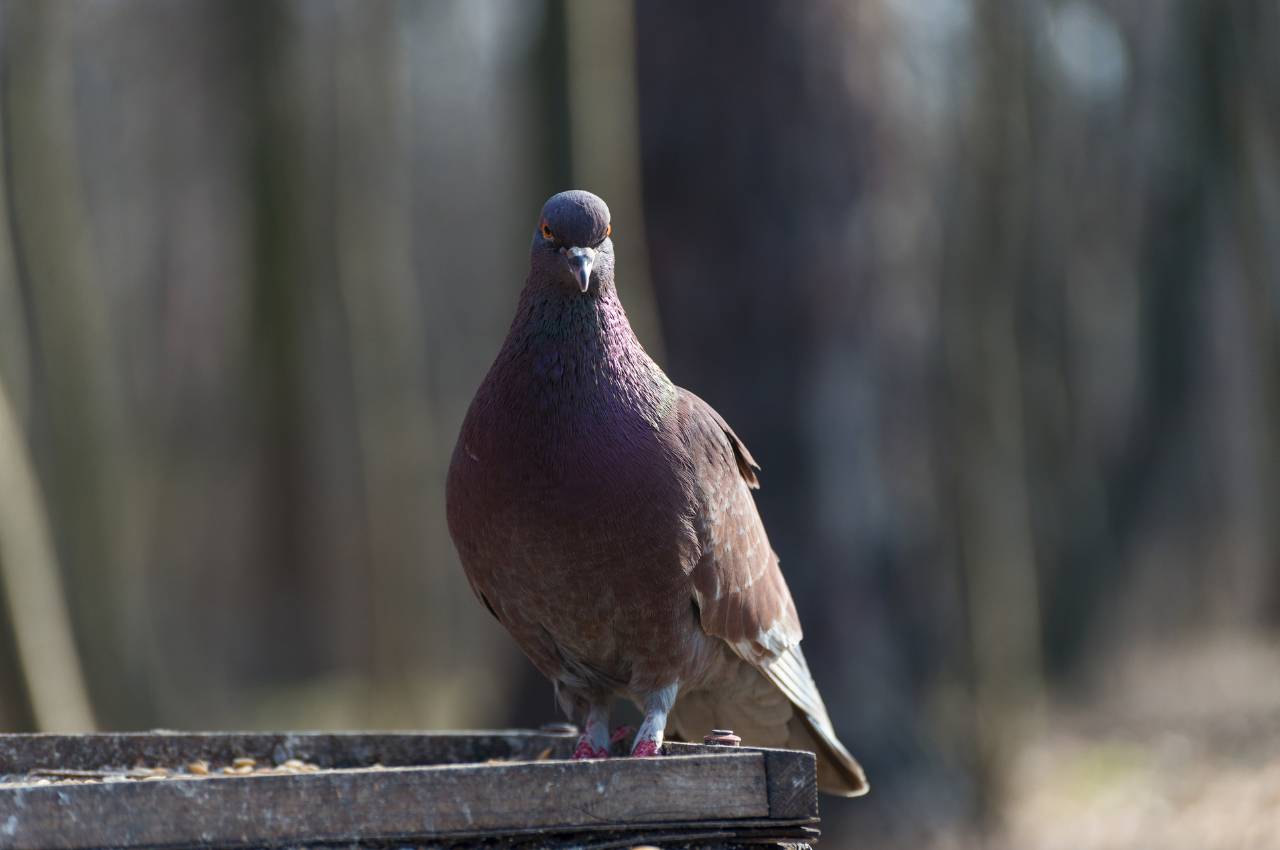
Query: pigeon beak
{"x":581,"y":259}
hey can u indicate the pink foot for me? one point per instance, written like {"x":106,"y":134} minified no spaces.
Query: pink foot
{"x":585,"y":750}
{"x":621,"y":734}
{"x":647,"y":747}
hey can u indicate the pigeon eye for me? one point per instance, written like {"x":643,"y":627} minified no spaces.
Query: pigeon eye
{"x":546,"y":232}
{"x":608,"y":228}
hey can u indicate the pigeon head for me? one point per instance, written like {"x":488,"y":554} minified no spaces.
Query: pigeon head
{"x":571,"y":246}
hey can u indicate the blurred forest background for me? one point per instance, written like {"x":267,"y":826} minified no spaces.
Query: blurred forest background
{"x":991,"y":288}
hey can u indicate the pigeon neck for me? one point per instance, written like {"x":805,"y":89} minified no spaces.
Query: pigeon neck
{"x":580,"y":350}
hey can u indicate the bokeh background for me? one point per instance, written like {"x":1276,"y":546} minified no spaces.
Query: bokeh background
{"x":992,"y":290}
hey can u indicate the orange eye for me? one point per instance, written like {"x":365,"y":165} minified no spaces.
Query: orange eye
{"x":546,"y":232}
{"x":608,"y":228}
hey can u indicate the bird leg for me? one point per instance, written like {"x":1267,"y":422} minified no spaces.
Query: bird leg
{"x":656,"y":707}
{"x":594,"y":743}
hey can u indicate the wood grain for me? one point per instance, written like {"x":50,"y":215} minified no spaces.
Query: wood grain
{"x":789,"y":775}
{"x":350,"y":805}
{"x":22,"y":753}
{"x":439,"y":789}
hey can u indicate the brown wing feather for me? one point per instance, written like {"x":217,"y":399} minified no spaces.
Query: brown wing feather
{"x":747,"y":466}
{"x":741,"y":594}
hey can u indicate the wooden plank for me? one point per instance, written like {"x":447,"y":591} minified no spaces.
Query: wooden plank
{"x":22,"y":753}
{"x":396,"y":803}
{"x":725,"y":835}
{"x":744,"y":831}
{"x":791,"y":776}
{"x":704,"y":839}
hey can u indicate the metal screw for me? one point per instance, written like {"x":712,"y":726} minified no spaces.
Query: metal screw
{"x":722,"y":738}
{"x":558,"y":729}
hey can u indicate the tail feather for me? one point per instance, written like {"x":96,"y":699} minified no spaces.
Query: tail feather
{"x":749,"y":702}
{"x":810,"y":727}
{"x":838,"y":772}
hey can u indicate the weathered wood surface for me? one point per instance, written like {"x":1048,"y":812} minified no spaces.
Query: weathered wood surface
{"x":789,"y":778}
{"x":433,"y":789}
{"x":22,"y":753}
{"x":393,"y":803}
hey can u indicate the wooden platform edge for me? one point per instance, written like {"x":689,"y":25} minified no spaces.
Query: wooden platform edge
{"x":790,"y":776}
{"x":390,"y":804}
{"x":20,"y":753}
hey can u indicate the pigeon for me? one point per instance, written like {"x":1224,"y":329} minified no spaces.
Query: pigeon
{"x":605,"y":517}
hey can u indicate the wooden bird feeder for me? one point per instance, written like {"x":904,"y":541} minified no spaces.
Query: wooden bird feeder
{"x":511,"y":789}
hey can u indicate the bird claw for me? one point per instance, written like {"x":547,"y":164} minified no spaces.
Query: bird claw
{"x":645,"y":748}
{"x":586,"y":750}
{"x":621,"y":733}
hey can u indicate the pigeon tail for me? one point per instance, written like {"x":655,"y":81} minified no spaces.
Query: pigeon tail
{"x":810,"y":728}
{"x":746,"y":700}
{"x":838,"y":772}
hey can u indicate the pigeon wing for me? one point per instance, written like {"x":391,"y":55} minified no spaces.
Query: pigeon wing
{"x":741,"y":595}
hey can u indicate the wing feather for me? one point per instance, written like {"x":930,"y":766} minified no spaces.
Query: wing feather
{"x":739,"y":589}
